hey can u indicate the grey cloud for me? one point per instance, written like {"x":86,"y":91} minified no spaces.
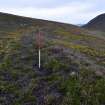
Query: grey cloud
{"x":69,"y":11}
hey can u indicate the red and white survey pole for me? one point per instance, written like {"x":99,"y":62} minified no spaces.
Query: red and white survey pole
{"x":39,"y":43}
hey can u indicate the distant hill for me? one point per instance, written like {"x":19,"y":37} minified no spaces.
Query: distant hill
{"x":80,"y":25}
{"x":11,"y":21}
{"x":98,"y":23}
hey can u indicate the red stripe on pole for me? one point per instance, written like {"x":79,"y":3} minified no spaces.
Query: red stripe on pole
{"x":39,"y":40}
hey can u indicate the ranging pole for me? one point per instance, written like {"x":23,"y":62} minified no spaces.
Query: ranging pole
{"x":39,"y":58}
{"x":39,"y":43}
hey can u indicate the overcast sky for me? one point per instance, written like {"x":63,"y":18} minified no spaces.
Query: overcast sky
{"x":67,"y":11}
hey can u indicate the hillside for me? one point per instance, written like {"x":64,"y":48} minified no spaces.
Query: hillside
{"x":72,"y":64}
{"x":98,"y":23}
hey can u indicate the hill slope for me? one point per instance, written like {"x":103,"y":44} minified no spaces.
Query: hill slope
{"x":72,"y":64}
{"x":98,"y":23}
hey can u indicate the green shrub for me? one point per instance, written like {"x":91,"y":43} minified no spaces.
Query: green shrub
{"x":55,"y":65}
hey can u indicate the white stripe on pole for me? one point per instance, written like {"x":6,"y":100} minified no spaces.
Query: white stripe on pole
{"x":39,"y":59}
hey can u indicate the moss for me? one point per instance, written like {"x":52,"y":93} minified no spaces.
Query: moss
{"x":28,"y":98}
{"x":52,"y":78}
{"x":55,"y":65}
{"x":102,"y":63}
{"x":86,"y":89}
{"x":10,"y":88}
{"x":81,"y":48}
{"x":6,"y":64}
{"x":14,"y":45}
{"x":49,"y":99}
{"x":74,"y":35}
